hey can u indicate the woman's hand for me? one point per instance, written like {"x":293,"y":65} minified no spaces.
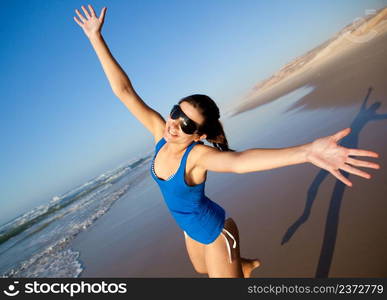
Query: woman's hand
{"x":326,"y":154}
{"x":91,"y":24}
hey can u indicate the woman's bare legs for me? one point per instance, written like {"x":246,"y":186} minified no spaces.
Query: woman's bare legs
{"x":213,"y":259}
{"x":196,"y":254}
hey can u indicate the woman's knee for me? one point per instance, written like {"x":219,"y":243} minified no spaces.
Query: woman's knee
{"x":200,"y":270}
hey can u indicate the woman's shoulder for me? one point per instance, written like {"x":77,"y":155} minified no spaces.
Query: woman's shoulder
{"x":211,"y":158}
{"x":157,"y":138}
{"x":201,"y":149}
{"x":195,"y":155}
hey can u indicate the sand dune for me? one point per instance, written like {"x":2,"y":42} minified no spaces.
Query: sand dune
{"x":358,"y":34}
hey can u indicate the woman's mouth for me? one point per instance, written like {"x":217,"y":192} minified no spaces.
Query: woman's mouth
{"x":172,"y":133}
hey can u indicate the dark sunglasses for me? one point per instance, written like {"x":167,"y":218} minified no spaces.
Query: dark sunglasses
{"x":187,"y":125}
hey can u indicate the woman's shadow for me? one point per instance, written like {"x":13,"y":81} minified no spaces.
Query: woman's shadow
{"x":365,"y":115}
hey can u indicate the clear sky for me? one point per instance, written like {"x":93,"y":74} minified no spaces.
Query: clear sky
{"x":61,"y":124}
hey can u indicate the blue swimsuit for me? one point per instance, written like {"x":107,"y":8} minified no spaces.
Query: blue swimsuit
{"x":199,"y":217}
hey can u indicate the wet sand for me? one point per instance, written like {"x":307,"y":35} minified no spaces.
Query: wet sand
{"x":298,"y":221}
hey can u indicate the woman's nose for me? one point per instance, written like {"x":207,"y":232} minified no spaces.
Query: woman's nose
{"x":175,"y":124}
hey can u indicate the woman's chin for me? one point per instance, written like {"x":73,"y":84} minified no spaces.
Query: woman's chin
{"x":169,"y":137}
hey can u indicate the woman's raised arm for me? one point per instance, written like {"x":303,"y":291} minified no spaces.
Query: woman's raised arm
{"x":119,"y":81}
{"x":323,"y":152}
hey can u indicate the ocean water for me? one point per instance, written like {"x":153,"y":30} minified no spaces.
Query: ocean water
{"x":38,"y":243}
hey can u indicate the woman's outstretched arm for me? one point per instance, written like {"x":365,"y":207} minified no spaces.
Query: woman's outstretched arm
{"x":119,"y":81}
{"x":323,"y":152}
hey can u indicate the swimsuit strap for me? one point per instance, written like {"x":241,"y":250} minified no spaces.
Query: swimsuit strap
{"x":184,"y":159}
{"x":159,"y":144}
{"x":228,"y":243}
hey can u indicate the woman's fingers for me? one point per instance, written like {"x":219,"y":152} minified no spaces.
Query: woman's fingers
{"x":362,"y":163}
{"x":342,"y":133}
{"x":79,"y":22}
{"x":102,"y":15}
{"x":86,"y":12}
{"x":340,"y":177}
{"x":89,"y":15}
{"x":92,"y":11}
{"x":80,"y":16}
{"x":359,"y":152}
{"x":355,"y":171}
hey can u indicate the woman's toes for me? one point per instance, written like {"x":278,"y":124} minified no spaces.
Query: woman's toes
{"x":256,"y":263}
{"x":248,"y":265}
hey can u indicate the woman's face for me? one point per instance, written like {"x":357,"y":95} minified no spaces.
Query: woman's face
{"x":173,"y":132}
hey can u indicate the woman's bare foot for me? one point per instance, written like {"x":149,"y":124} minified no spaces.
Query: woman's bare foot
{"x":248,"y":265}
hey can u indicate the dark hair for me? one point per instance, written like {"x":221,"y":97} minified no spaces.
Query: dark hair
{"x":211,"y":126}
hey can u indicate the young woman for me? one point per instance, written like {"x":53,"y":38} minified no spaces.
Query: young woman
{"x":181,"y":162}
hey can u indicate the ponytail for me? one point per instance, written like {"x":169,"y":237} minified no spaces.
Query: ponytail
{"x":216,"y":136}
{"x":212,"y":127}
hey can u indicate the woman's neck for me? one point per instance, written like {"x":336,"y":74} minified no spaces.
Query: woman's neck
{"x":175,"y":149}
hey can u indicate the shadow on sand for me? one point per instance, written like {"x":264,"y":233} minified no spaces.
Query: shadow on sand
{"x":365,"y":115}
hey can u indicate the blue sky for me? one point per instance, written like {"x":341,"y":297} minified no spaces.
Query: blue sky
{"x":60,"y":122}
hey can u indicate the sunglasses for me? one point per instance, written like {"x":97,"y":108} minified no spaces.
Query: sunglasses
{"x":186,"y":124}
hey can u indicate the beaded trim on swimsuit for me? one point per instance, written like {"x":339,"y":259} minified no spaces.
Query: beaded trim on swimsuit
{"x":153,"y":170}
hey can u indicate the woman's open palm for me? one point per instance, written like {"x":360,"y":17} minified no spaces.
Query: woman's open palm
{"x":326,"y":154}
{"x":90,"y":24}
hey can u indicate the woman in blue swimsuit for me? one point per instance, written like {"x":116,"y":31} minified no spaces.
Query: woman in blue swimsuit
{"x":181,"y":162}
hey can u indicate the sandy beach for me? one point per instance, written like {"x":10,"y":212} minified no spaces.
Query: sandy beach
{"x":299,"y":221}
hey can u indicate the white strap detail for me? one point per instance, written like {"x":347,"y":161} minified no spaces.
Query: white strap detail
{"x":228,"y":245}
